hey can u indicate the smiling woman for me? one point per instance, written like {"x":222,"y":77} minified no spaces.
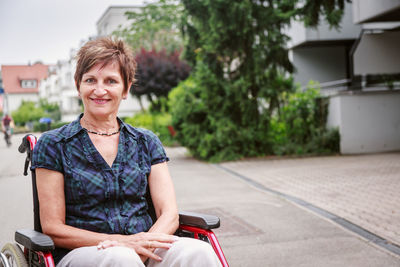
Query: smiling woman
{"x":102,"y":90}
{"x":96,"y":171}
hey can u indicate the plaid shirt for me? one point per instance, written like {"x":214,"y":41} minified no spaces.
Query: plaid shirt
{"x":98,"y":197}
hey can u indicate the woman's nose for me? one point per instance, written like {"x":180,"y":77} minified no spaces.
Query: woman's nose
{"x":100,"y":89}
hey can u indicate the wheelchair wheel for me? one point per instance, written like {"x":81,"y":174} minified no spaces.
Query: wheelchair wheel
{"x":14,"y":255}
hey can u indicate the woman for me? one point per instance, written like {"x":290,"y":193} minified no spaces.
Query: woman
{"x":92,"y":176}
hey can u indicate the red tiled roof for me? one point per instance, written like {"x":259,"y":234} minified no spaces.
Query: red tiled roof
{"x":13,"y":74}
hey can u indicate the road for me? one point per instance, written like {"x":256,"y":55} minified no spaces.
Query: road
{"x":16,"y":210}
{"x":257,"y":228}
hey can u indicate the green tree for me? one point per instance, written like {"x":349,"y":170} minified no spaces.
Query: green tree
{"x":155,"y":25}
{"x":241,"y":69}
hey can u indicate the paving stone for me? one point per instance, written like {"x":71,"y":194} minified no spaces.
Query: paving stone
{"x":363,"y":189}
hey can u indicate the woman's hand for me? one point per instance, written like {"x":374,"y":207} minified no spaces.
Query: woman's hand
{"x":143,"y":243}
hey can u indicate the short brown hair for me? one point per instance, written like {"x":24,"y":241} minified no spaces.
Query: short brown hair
{"x":105,"y":50}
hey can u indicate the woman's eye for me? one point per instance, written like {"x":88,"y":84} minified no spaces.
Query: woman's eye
{"x":111,"y":81}
{"x":89,"y":80}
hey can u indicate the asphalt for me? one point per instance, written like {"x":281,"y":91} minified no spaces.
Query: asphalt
{"x":315,"y":211}
{"x":312,"y":211}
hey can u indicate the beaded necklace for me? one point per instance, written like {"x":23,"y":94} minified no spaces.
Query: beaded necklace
{"x":104,"y":134}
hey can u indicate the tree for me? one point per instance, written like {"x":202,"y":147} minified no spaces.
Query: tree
{"x":154,"y":26}
{"x":157,"y":73}
{"x":241,"y":63}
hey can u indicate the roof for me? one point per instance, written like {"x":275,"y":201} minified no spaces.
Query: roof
{"x":14,"y":74}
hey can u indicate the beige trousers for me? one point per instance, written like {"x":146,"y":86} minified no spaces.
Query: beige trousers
{"x":184,"y":253}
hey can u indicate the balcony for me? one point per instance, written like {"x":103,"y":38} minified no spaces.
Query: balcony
{"x":324,"y":34}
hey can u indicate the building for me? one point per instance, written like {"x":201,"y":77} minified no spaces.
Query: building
{"x":21,"y":82}
{"x":357,"y":68}
{"x":59,"y":87}
{"x":113,"y":19}
{"x":322,"y":53}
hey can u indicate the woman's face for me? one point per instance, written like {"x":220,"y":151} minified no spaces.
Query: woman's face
{"x":102,"y":90}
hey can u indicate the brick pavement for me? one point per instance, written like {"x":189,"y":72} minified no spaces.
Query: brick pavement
{"x":363,"y":189}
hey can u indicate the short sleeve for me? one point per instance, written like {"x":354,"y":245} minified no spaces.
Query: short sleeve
{"x":156,"y":149}
{"x":47,"y":154}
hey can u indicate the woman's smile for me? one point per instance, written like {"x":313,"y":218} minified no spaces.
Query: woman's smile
{"x":100,"y":101}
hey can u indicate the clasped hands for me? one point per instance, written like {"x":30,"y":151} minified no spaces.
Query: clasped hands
{"x":143,"y":243}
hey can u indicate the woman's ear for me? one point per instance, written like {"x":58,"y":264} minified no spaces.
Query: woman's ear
{"x":126,"y":92}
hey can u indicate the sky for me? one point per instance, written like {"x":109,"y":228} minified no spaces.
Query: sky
{"x":47,"y":30}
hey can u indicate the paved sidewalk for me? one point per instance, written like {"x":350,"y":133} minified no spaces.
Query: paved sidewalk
{"x":363,"y":189}
{"x":263,"y":229}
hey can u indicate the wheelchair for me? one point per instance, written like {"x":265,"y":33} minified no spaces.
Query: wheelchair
{"x":37,"y":246}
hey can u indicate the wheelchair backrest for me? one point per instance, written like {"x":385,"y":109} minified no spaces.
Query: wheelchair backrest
{"x":27,"y":146}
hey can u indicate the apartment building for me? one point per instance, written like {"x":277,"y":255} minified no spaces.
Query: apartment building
{"x":59,"y":87}
{"x":356,"y":66}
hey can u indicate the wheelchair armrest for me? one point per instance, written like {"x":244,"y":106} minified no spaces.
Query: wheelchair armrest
{"x":34,"y":240}
{"x":203,"y":221}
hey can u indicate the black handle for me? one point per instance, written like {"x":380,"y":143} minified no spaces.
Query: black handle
{"x":24,"y":145}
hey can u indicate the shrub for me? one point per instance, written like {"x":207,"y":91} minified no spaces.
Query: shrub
{"x":30,"y":111}
{"x":27,"y":111}
{"x":217,"y":124}
{"x":299,"y":127}
{"x":155,"y":122}
{"x":42,"y":127}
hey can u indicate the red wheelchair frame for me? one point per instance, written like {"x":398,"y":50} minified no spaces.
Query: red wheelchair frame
{"x":38,"y":246}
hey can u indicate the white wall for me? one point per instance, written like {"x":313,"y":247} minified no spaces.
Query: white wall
{"x":368,"y":9}
{"x":15,"y":100}
{"x":378,"y":54}
{"x":322,"y":64}
{"x":368,"y":122}
{"x":112,"y":18}
{"x":130,"y":106}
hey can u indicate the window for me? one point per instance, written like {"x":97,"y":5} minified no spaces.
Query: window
{"x":28,"y":83}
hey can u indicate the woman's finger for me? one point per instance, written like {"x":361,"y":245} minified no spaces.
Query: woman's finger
{"x":157,"y":244}
{"x":147,"y":253}
{"x":158,"y":237}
